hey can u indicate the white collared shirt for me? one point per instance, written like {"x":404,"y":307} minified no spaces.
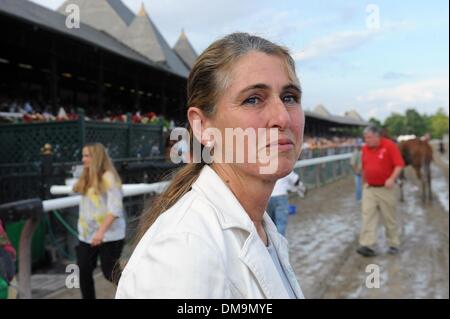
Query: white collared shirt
{"x":285,"y":184}
{"x":206,"y":246}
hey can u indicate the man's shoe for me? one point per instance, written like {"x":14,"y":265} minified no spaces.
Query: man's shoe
{"x":393,"y":250}
{"x":366,"y":251}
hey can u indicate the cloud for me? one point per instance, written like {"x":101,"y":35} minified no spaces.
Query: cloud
{"x":424,"y":95}
{"x":396,"y":75}
{"x":335,"y":43}
{"x":343,"y":41}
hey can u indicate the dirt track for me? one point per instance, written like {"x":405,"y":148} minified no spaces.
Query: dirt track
{"x":323,"y":237}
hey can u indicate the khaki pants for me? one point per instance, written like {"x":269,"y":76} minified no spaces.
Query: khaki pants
{"x":376,"y":200}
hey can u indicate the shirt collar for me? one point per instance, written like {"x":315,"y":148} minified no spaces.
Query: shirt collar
{"x":229,"y":210}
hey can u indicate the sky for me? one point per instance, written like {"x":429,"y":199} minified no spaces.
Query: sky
{"x":375,"y":57}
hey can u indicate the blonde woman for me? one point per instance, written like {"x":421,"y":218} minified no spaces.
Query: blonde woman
{"x":101,"y":224}
{"x":208,"y":236}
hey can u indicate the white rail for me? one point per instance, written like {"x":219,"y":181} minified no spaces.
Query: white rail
{"x":140,"y":189}
{"x":70,"y":201}
{"x":322,"y":160}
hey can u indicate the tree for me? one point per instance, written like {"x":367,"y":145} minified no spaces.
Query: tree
{"x":373,"y":121}
{"x":395,"y":124}
{"x":415,"y":123}
{"x":439,"y":124}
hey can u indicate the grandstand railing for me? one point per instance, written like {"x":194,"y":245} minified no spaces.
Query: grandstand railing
{"x":22,"y":142}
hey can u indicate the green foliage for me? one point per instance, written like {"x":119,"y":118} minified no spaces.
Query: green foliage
{"x":375,"y":122}
{"x":395,"y":124}
{"x":413,"y":122}
{"x":439,"y":124}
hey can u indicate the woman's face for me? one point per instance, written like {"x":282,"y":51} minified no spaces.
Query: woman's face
{"x":261,"y":95}
{"x":86,"y":157}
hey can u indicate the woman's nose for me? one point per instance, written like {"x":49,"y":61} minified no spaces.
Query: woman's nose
{"x":278,"y":114}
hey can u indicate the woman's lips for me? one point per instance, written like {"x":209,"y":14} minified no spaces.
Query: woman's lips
{"x":283,"y":144}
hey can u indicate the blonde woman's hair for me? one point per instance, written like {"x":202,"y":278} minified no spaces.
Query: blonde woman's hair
{"x":92,"y":176}
{"x":209,"y":78}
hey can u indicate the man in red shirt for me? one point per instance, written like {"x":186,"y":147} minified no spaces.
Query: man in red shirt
{"x":382,"y":163}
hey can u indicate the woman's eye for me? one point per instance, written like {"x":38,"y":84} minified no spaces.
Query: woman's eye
{"x":252,"y":100}
{"x":290,"y":99}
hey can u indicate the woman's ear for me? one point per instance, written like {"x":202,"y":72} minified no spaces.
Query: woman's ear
{"x":197,"y":121}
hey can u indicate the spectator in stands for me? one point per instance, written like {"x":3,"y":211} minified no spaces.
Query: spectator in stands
{"x":27,"y":107}
{"x":14,"y":107}
{"x":208,"y":235}
{"x":101,"y":224}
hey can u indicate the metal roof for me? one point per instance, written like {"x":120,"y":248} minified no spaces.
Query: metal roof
{"x":143,"y":36}
{"x":344,"y":120}
{"x":122,"y":10}
{"x":185,"y":51}
{"x":53,"y":21}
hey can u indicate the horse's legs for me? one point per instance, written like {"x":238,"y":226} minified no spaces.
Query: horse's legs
{"x":401,"y":180}
{"x":427,"y":168}
{"x":421,"y":178}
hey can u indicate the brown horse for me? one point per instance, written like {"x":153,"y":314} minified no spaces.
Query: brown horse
{"x":419,"y":154}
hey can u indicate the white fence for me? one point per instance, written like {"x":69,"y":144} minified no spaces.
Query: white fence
{"x":157,"y":188}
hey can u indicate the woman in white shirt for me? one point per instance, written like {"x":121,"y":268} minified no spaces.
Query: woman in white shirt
{"x":208,"y":235}
{"x":101,"y":224}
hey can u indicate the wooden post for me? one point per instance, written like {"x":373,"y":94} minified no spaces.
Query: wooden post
{"x":334,"y":170}
{"x":46,"y":170}
{"x":318,"y":175}
{"x":25,"y":257}
{"x":30,"y":210}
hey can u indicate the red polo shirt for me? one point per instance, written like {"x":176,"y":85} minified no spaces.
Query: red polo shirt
{"x":378,"y":163}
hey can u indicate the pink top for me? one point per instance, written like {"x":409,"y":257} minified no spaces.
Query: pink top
{"x":5,"y":243}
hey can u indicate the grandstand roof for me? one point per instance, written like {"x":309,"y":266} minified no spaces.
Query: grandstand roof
{"x":101,"y":15}
{"x":321,"y":113}
{"x":322,"y":110}
{"x":143,"y":36}
{"x":185,"y":50}
{"x":54,"y":21}
{"x":122,"y":10}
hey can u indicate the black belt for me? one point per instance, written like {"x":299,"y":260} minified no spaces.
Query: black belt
{"x":376,"y":185}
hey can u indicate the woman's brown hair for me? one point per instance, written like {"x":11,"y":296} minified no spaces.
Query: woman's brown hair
{"x":209,"y":78}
